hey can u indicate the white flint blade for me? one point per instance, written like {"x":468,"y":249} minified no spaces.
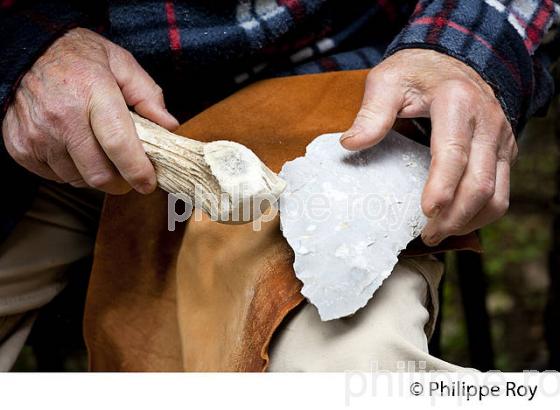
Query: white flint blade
{"x":347,"y":215}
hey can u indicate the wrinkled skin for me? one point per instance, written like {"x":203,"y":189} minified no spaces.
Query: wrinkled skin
{"x":69,"y":121}
{"x":472,"y":143}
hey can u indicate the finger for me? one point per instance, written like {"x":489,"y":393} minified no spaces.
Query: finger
{"x":63,"y":166}
{"x":114,"y":130}
{"x":139,"y":89}
{"x":476,"y":188}
{"x":381,"y":103}
{"x":93,"y":164}
{"x":38,"y":168}
{"x":42,"y":169}
{"x":451,"y":138}
{"x":499,"y":203}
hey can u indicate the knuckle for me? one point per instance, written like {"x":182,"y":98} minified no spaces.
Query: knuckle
{"x":29,"y":81}
{"x":460,"y":92}
{"x":373,"y":75}
{"x":455,"y":152}
{"x":60,"y":112}
{"x":19,"y":152}
{"x":120,"y":55}
{"x":100,"y":179}
{"x":454,"y":226}
{"x":98,"y":80}
{"x":91,"y":69}
{"x":457,"y":224}
{"x":391,"y":77}
{"x":113,"y":145}
{"x":385,"y":75}
{"x":489,"y":139}
{"x":114,"y":140}
{"x":494,"y":118}
{"x":18,"y":148}
{"x":154,"y":93}
{"x":483,"y":186}
{"x":82,"y":69}
{"x":51,"y":113}
{"x":371,"y":114}
{"x":123,"y":53}
{"x":443,"y":197}
{"x":88,"y":78}
{"x":367,"y":112}
{"x":497,"y":113}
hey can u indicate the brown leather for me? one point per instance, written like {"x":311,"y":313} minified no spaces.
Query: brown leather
{"x":208,"y":297}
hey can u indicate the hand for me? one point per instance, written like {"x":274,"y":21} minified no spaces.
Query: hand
{"x":69,"y":121}
{"x":472,"y":143}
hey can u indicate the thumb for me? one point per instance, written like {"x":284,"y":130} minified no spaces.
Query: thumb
{"x":139,"y":89}
{"x":380,"y":106}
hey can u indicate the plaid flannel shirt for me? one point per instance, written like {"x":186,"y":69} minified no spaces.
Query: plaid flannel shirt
{"x":207,"y":50}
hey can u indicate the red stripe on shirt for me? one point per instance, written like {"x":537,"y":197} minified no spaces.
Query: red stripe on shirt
{"x":440,"y":21}
{"x":432,"y":20}
{"x":172,"y":31}
{"x":328,"y":64}
{"x":535,"y":29}
{"x":520,"y":20}
{"x":294,"y":6}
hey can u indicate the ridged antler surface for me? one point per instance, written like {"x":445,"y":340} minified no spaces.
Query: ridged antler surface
{"x":223,"y":177}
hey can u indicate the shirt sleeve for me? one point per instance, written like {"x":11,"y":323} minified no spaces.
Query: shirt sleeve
{"x":497,"y":38}
{"x":27,"y":29}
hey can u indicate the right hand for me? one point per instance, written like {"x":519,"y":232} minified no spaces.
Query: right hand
{"x":69,"y":120}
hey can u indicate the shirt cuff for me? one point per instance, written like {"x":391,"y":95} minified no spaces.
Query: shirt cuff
{"x":480,"y":34}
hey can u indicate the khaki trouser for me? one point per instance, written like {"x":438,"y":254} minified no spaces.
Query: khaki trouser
{"x":390,"y":333}
{"x":56,"y":232}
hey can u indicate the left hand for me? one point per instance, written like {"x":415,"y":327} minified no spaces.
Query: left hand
{"x":472,"y":143}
